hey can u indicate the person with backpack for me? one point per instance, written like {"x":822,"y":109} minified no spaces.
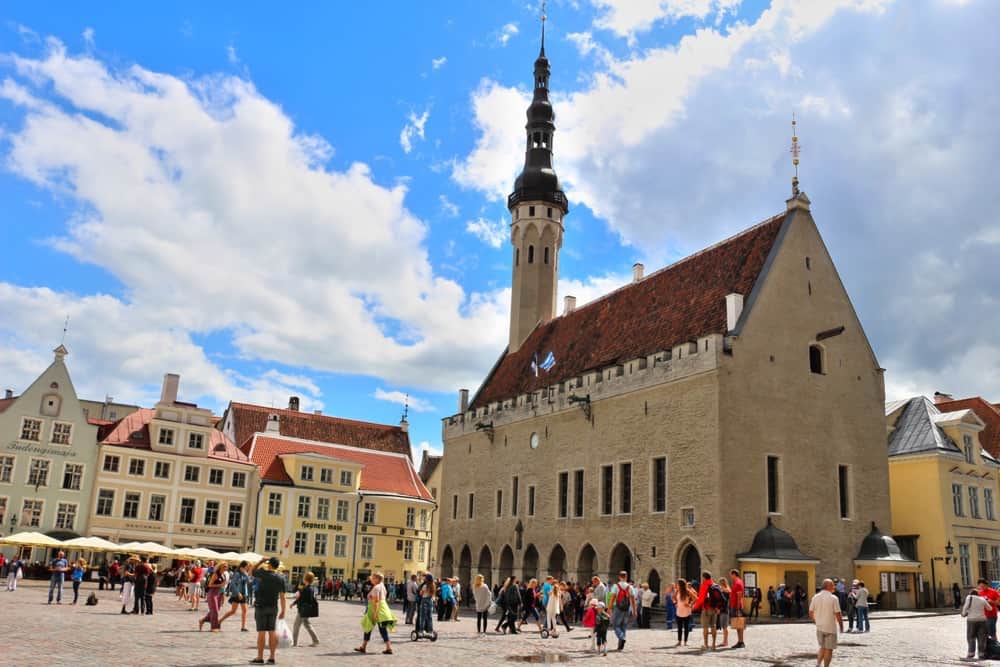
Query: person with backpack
{"x":308,"y":607}
{"x":710,"y":602}
{"x":624,"y":603}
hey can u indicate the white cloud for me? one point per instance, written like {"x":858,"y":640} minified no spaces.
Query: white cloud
{"x":88,"y":36}
{"x":489,"y":232}
{"x":232,"y":56}
{"x":627,"y":17}
{"x":398,"y":397}
{"x":438,"y":63}
{"x":448,"y":207}
{"x":217,"y":216}
{"x":506,"y":32}
{"x":414,"y":128}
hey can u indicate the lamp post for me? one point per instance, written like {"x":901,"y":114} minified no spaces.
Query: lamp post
{"x":950,"y":550}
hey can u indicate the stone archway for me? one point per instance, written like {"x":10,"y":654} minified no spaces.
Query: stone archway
{"x":689,"y":564}
{"x":506,"y":563}
{"x":557,"y":562}
{"x":465,"y":568}
{"x":586,"y":564}
{"x":529,"y":564}
{"x":653,"y":579}
{"x":485,"y":565}
{"x":447,"y":562}
{"x":621,"y":560}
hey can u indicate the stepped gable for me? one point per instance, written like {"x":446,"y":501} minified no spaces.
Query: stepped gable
{"x":249,"y":419}
{"x":669,"y":307}
{"x":383,"y":472}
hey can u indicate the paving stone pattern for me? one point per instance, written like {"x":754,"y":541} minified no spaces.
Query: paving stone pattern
{"x":38,"y":634}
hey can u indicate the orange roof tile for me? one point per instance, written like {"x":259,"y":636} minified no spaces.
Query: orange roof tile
{"x":669,"y":307}
{"x":249,"y":419}
{"x":133,"y":431}
{"x":383,"y":472}
{"x":989,"y":438}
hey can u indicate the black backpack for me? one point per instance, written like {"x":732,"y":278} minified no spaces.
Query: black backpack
{"x":91,"y":600}
{"x":715,"y":599}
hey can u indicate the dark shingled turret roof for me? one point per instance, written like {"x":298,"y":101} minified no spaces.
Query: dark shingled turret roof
{"x":877,"y":546}
{"x":772,"y":543}
{"x":669,"y":307}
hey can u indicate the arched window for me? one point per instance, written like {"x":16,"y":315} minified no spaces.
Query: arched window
{"x":546,"y":254}
{"x":816,"y":359}
{"x":531,"y":254}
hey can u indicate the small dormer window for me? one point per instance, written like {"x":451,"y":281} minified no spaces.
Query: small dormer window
{"x":970,"y":453}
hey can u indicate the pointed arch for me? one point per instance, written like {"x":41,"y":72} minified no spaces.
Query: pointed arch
{"x":447,"y":562}
{"x":529,"y":563}
{"x":586,"y":563}
{"x":557,"y":562}
{"x":506,"y":562}
{"x":485,"y":564}
{"x":620,"y":561}
{"x":465,"y":567}
{"x":655,"y":585}
{"x":688,"y":561}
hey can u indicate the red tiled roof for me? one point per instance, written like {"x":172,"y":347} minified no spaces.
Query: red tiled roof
{"x":6,"y":403}
{"x":133,"y":431}
{"x":671,"y":306}
{"x":989,"y":437}
{"x":249,"y":419}
{"x":383,"y":472}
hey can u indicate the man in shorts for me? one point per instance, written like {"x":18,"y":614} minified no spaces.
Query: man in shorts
{"x":709,"y":612}
{"x":270,"y":591}
{"x":736,"y":617}
{"x":824,"y":610}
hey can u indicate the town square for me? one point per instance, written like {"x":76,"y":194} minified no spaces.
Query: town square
{"x":637,"y":331}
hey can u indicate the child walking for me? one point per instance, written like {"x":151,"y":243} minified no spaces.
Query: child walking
{"x":602,"y":623}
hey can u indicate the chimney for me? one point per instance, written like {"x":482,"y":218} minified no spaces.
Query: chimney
{"x":638,"y":270}
{"x":569,"y":304}
{"x":317,"y":412}
{"x":273,"y":424}
{"x":168,"y":394}
{"x":293,"y":403}
{"x":8,"y":393}
{"x":734,"y":308}
{"x":463,"y":400}
{"x":941,"y":397}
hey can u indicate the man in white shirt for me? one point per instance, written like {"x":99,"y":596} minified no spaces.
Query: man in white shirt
{"x":824,"y":610}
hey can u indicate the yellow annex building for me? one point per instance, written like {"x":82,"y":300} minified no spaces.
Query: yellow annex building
{"x":943,"y":486}
{"x":339,"y":511}
{"x":167,"y":475}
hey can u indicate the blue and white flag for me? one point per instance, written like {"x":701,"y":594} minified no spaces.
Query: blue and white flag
{"x":548,"y":363}
{"x":534,"y":364}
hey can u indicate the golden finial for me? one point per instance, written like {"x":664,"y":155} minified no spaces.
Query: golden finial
{"x":795,"y":157}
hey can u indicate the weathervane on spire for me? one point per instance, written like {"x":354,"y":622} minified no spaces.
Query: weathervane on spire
{"x":543,"y":27}
{"x":795,"y":157}
{"x":406,"y":407}
{"x":65,"y":329}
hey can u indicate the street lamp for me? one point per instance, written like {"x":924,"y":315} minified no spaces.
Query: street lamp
{"x":950,"y":550}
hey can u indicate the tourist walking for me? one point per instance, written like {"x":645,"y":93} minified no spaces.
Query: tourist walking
{"x":736,"y":617}
{"x":552,"y":606}
{"x":57,"y":570}
{"x":76,"y":574}
{"x":483,"y":598}
{"x":377,"y":614}
{"x":142,"y":572}
{"x":669,"y":608}
{"x":710,"y":602}
{"x":194,"y":585}
{"x":975,"y":612}
{"x":646,"y":597}
{"x":213,"y":597}
{"x":565,"y":604}
{"x":411,"y":599}
{"x":270,"y":592}
{"x":128,"y":583}
{"x":861,"y":607}
{"x":624,"y":607}
{"x":683,"y":598}
{"x":425,"y":613}
{"x":13,"y":573}
{"x":307,"y":606}
{"x":456,"y":591}
{"x":239,"y":593}
{"x":446,"y":599}
{"x":601,"y":623}
{"x":824,"y":610}
{"x":512,"y":599}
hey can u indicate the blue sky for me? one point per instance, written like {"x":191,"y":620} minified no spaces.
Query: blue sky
{"x":310,"y":201}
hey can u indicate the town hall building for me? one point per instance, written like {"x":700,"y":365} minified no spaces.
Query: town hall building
{"x":725,"y":411}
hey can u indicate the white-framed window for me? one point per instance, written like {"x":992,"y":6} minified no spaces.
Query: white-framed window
{"x":319,"y":544}
{"x":271,"y":540}
{"x":31,"y":429}
{"x":187,"y":510}
{"x":274,"y":504}
{"x":196,"y":441}
{"x":130,"y":508}
{"x":968,"y":449}
{"x":340,"y":546}
{"x":956,"y":499}
{"x":326,"y":475}
{"x":157,"y":503}
{"x":346,"y":477}
{"x":421,"y":550}
{"x":105,"y":502}
{"x":994,"y":563}
{"x":300,"y":543}
{"x":964,"y":564}
{"x":322,"y":509}
{"x":38,"y":472}
{"x":658,"y":484}
{"x":235,"y":518}
{"x":368,"y":547}
{"x":212,"y":512}
{"x":988,"y":502}
{"x":165,"y":436}
{"x":111,"y":463}
{"x":31,"y":513}
{"x":192,"y":473}
{"x":65,"y":516}
{"x":3,"y":510}
{"x":216,"y":476}
{"x":687,"y":517}
{"x":343,"y":510}
{"x":72,"y":476}
{"x":306,"y":473}
{"x":974,"y":502}
{"x":423,"y":519}
{"x":6,"y":469}
{"x":161,"y":470}
{"x":369,"y":513}
{"x":407,"y":549}
{"x":411,"y":517}
{"x":137,"y":467}
{"x":239,"y":480}
{"x":61,"y":433}
{"x":305,"y":504}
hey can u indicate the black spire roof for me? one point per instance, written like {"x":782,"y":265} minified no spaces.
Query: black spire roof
{"x":772,"y":543}
{"x":877,"y":546}
{"x":538,"y":180}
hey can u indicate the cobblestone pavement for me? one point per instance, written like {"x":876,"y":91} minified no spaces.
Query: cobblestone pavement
{"x":38,"y":634}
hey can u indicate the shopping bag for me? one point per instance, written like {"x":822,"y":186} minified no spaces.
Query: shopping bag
{"x":493,"y":609}
{"x":284,"y":633}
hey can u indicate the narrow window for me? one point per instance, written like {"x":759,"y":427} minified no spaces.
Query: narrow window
{"x":531,"y":211}
{"x":578,"y":493}
{"x":499,"y":503}
{"x":956,"y":499}
{"x":454,"y":507}
{"x":660,"y":484}
{"x":816,"y":359}
{"x":988,"y":501}
{"x":546,"y":254}
{"x":517,"y":256}
{"x":964,"y":565}
{"x":974,"y":502}
{"x":625,"y":506}
{"x":513,"y":497}
{"x":531,"y":254}
{"x":531,"y":500}
{"x":808,"y":264}
{"x":970,"y":456}
{"x":607,"y":489}
{"x":563,"y":494}
{"x":548,"y":212}
{"x":843,"y":479}
{"x":773,"y":482}
{"x":472,"y":505}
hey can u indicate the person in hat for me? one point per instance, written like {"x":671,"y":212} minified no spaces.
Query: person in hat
{"x":270,"y":593}
{"x":601,"y":624}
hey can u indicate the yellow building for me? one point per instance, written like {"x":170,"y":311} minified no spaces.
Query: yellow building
{"x":167,"y":475}
{"x":943,"y":486}
{"x":339,"y":511}
{"x":430,"y":474}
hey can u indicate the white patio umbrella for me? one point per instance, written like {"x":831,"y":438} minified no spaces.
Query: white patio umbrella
{"x":148,"y":548}
{"x":30,"y":539}
{"x":196,"y":552}
{"x":91,"y":544}
{"x":251,"y":557}
{"x":230,"y":556}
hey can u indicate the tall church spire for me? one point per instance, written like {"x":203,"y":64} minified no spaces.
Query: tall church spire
{"x":537,"y":206}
